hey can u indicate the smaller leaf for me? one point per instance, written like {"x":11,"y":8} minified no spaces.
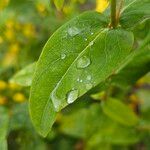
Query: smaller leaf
{"x":59,"y":4}
{"x":119,"y":112}
{"x":24,"y":76}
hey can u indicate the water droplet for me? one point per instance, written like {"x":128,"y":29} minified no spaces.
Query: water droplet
{"x":86,"y":39}
{"x":63,"y":56}
{"x":81,"y":80}
{"x":91,"y":43}
{"x":56,"y":101}
{"x":73,"y":31}
{"x":78,"y":79}
{"x":92,"y":33}
{"x":83,"y":62}
{"x":88,"y":86}
{"x":72,"y":96}
{"x":89,"y":77}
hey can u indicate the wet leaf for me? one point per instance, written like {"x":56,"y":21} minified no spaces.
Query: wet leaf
{"x":90,"y":57}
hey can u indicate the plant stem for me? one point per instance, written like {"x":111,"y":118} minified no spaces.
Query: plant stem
{"x":113,"y":13}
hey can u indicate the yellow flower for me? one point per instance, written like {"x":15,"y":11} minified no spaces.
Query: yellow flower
{"x":3,"y":4}
{"x":1,"y":40}
{"x":10,"y":23}
{"x":19,"y":97}
{"x":14,"y":48}
{"x":9,"y":34}
{"x":41,"y":9}
{"x":29,"y":30}
{"x":3,"y":85}
{"x":3,"y":100}
{"x":13,"y":86}
{"x":101,"y":5}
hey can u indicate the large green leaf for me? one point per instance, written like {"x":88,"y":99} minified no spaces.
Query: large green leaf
{"x":24,"y":76}
{"x":119,"y":112}
{"x":80,"y":55}
{"x":134,"y":12}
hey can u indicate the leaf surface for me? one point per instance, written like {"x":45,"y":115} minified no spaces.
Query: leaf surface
{"x":134,"y":12}
{"x":78,"y":56}
{"x":119,"y":112}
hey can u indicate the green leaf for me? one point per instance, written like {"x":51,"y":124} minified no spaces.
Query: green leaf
{"x":58,"y":4}
{"x":134,"y":12}
{"x":24,"y":76}
{"x":138,"y":66}
{"x":78,"y":56}
{"x":119,"y":112}
{"x":4,"y":120}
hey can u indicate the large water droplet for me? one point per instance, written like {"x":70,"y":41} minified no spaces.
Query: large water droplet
{"x":88,"y":86}
{"x":83,"y":62}
{"x":56,"y":101}
{"x":63,"y":56}
{"x":72,"y":96}
{"x":73,"y":31}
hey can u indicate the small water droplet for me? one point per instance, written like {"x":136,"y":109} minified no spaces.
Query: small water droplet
{"x":92,"y":33}
{"x":89,"y":77}
{"x":72,"y":96}
{"x":83,"y":62}
{"x":78,"y":79}
{"x":63,"y":56}
{"x":88,"y":86}
{"x":73,"y":31}
{"x":81,"y":80}
{"x":85,"y":39}
{"x":91,"y":43}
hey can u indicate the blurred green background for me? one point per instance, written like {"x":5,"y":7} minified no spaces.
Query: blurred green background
{"x":25,"y":26}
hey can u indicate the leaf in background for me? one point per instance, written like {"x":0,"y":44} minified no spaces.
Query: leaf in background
{"x":4,"y":120}
{"x":79,"y":56}
{"x":119,"y":112}
{"x":134,"y":12}
{"x":58,"y":4}
{"x":24,"y":76}
{"x":138,"y":66}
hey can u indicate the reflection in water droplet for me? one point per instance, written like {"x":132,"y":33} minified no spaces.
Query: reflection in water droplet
{"x":73,"y":31}
{"x":72,"y":96}
{"x":83,"y":62}
{"x":63,"y":56}
{"x":88,"y":86}
{"x":91,"y":43}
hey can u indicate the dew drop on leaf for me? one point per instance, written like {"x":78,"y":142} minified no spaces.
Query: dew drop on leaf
{"x":88,"y":86}
{"x":92,"y":33}
{"x":63,"y":56}
{"x":89,"y":77}
{"x":91,"y":43}
{"x":72,"y":96}
{"x":73,"y":31}
{"x":83,"y":62}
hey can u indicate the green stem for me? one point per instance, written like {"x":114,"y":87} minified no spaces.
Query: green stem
{"x":113,"y":13}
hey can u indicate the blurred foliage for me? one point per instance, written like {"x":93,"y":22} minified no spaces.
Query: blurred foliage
{"x":25,"y":26}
